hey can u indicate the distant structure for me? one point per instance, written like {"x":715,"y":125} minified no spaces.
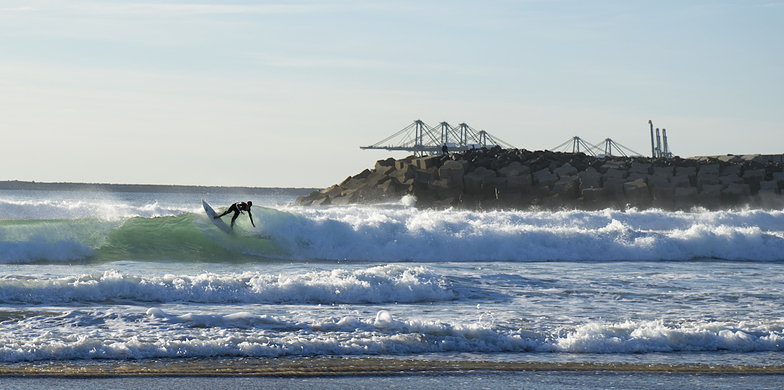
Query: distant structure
{"x":421,"y":139}
{"x":607,"y":148}
{"x":659,"y":149}
{"x":576,"y":143}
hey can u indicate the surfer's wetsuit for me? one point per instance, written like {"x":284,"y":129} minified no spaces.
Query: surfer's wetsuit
{"x":238,"y":208}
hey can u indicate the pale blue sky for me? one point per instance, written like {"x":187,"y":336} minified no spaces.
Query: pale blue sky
{"x":283,"y":94}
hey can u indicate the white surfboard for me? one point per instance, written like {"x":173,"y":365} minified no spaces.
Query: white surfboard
{"x":211,"y":216}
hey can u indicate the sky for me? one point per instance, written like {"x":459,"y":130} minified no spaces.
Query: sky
{"x":283,"y":94}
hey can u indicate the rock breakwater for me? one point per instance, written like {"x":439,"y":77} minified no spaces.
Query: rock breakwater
{"x":521,"y":179}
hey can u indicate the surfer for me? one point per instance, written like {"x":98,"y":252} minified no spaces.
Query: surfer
{"x":238,"y":209}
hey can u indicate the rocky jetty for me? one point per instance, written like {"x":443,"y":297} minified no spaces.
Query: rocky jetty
{"x":521,"y":179}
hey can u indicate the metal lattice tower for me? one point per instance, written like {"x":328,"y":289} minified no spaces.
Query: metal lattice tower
{"x":606,"y":148}
{"x":576,"y":143}
{"x":421,"y":139}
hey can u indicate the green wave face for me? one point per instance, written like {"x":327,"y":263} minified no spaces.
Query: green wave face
{"x":185,"y":237}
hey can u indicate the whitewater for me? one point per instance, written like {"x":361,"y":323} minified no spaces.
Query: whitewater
{"x":133,"y":276}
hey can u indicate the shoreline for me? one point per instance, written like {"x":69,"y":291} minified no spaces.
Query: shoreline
{"x":150,"y":188}
{"x":329,"y":367}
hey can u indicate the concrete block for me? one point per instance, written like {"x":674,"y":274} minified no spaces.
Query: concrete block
{"x":614,"y":173}
{"x":636,"y":175}
{"x":778,"y":177}
{"x":614,"y":187}
{"x":637,"y":191}
{"x":770,"y":185}
{"x":663,"y":193}
{"x":753,"y":178}
{"x":707,"y":179}
{"x":710,"y":195}
{"x":403,"y":174}
{"x":736,"y":193}
{"x":453,"y":171}
{"x":680,"y":181}
{"x":667,"y":171}
{"x":568,"y":187}
{"x":661,"y":179}
{"x":545,"y":177}
{"x":589,"y":178}
{"x":686,"y":171}
{"x":709,"y":169}
{"x":514,"y":169}
{"x":403,"y":162}
{"x":686,"y":196}
{"x":638,"y":167}
{"x":522,"y":182}
{"x":614,"y":165}
{"x":593,"y":195}
{"x":508,"y":194}
{"x":473,"y":181}
{"x":565,"y":170}
{"x":731,"y":170}
{"x":427,"y":162}
{"x":730,"y":179}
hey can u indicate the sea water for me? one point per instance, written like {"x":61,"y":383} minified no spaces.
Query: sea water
{"x":117,"y":277}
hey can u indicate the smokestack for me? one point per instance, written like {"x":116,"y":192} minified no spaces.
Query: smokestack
{"x":653,"y":149}
{"x":666,"y":147}
{"x":658,"y":144}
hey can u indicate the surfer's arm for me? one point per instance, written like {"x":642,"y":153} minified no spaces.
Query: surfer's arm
{"x":251,"y":218}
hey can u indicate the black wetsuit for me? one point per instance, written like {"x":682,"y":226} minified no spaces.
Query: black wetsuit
{"x":237,"y":208}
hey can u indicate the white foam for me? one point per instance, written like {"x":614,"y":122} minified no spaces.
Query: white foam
{"x":371,"y":285}
{"x":385,"y":234}
{"x":158,"y":334}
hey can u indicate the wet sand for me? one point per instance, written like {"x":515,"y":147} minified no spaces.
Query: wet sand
{"x":367,"y":373}
{"x":524,"y":379}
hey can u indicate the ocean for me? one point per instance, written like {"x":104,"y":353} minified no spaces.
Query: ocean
{"x":144,"y":282}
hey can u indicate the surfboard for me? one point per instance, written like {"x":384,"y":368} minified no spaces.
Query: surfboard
{"x":211,"y":216}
